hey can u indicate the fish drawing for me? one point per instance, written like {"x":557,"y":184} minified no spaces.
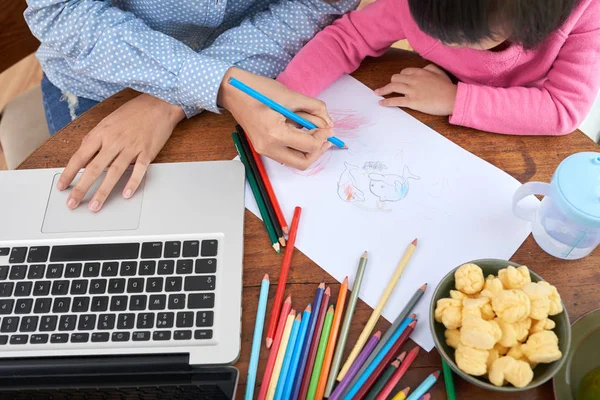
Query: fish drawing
{"x":391,"y":187}
{"x":347,"y":187}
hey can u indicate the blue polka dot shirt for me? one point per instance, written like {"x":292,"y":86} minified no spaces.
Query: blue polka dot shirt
{"x":176,"y":50}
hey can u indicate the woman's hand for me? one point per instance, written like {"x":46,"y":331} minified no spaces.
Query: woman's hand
{"x":271,"y":134}
{"x":135,"y":132}
{"x":428,"y":90}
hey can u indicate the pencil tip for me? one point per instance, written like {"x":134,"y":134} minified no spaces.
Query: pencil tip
{"x":401,"y":357}
{"x":322,"y":285}
{"x":328,"y":290}
{"x":426,"y":396}
{"x":282,"y":241}
{"x":288,"y":299}
{"x":406,"y":390}
{"x":423,"y":287}
{"x":413,"y":316}
{"x":330,"y":309}
{"x":413,"y":324}
{"x":286,"y":230}
{"x":436,"y":374}
{"x":269,"y":343}
{"x":292,"y":312}
{"x":396,"y":363}
{"x":308,"y":307}
{"x":298,"y":317}
{"x":365,"y":254}
{"x":345,"y":280}
{"x":277,"y":247}
{"x":414,"y":242}
{"x":377,"y":334}
{"x":266,"y":277}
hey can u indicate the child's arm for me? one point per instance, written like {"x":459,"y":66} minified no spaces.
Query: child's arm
{"x":341,"y":47}
{"x":557,"y":107}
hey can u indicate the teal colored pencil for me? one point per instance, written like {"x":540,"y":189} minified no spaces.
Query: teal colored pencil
{"x":291,"y":375}
{"x":288,"y":357}
{"x":258,"y":330}
{"x":424,"y":386}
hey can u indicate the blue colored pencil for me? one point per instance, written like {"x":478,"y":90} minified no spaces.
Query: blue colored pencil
{"x":291,"y":375}
{"x":280,"y":109}
{"x":380,"y":356}
{"x":424,"y":386}
{"x":287,"y":358}
{"x":307,"y":341}
{"x":258,"y":330}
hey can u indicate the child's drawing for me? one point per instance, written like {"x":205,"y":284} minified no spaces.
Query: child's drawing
{"x":347,"y":185}
{"x":347,"y":125}
{"x":391,"y":187}
{"x":371,"y":186}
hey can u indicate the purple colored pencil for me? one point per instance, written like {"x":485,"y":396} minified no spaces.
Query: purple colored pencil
{"x":362,"y":357}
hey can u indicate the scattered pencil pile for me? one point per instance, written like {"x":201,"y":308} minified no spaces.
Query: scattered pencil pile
{"x":306,"y":348}
{"x":259,"y":182}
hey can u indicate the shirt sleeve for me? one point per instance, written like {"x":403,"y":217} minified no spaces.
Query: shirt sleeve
{"x":340,"y":48}
{"x":557,"y":107}
{"x":108,"y":44}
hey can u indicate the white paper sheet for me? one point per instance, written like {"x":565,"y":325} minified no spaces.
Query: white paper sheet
{"x":398,"y":181}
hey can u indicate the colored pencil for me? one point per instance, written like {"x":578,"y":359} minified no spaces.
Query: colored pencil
{"x":343,"y":385}
{"x":268,"y":185}
{"x":360,"y":382}
{"x":264,"y":385}
{"x":401,"y":317}
{"x":424,"y":386}
{"x":291,"y":375}
{"x":316,"y":372}
{"x":362,"y":339}
{"x":285,"y":338}
{"x":385,"y":376}
{"x":283,"y":276}
{"x":261,"y":187}
{"x":256,"y":192}
{"x":312,"y":355}
{"x":401,"y":395}
{"x":288,"y":357}
{"x":339,"y":311}
{"x":389,"y":387}
{"x":308,"y":341}
{"x":257,"y":338}
{"x":280,"y":109}
{"x":341,"y":344}
{"x":450,"y":391}
{"x":426,"y":396}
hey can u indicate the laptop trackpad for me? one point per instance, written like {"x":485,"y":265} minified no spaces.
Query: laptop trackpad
{"x":117,"y":214}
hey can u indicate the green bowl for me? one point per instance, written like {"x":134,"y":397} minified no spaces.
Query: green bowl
{"x":541,"y":374}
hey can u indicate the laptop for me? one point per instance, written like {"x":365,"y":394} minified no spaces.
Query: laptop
{"x":143,"y":297}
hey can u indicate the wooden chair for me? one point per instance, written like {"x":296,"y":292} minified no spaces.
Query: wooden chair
{"x":22,"y":121}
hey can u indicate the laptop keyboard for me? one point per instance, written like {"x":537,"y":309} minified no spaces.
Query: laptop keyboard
{"x":112,"y":292}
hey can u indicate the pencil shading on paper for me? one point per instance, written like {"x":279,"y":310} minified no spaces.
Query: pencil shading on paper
{"x":458,"y":205}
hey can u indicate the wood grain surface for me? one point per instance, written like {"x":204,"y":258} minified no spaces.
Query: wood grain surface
{"x":207,"y":137}
{"x":16,"y":40}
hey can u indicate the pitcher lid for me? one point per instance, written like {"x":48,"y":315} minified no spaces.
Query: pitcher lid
{"x":577,"y":181}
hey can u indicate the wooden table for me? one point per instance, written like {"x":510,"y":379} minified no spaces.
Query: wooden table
{"x":208,"y":137}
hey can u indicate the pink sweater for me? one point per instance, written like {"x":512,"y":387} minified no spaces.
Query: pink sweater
{"x":548,"y":91}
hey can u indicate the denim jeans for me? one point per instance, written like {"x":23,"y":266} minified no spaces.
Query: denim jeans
{"x":61,"y":107}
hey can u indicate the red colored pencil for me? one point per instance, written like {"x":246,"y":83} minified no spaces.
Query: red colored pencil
{"x":386,"y":360}
{"x":312,"y":355}
{"x":391,"y":384}
{"x":269,"y":189}
{"x":264,"y":385}
{"x":283,"y":275}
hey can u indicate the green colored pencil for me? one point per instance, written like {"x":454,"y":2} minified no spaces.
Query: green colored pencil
{"x":384,"y":378}
{"x":256,"y":192}
{"x":316,"y":372}
{"x":450,"y":392}
{"x":341,"y":343}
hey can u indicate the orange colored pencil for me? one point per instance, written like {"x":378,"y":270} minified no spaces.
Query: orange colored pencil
{"x":337,"y":318}
{"x":283,"y":275}
{"x":269,"y":189}
{"x":264,"y":385}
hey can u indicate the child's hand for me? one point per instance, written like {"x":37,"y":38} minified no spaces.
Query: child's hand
{"x":428,"y":90}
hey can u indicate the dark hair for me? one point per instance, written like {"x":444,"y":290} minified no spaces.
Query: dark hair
{"x":529,"y":22}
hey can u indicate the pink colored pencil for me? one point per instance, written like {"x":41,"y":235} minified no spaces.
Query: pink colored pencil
{"x":264,"y":385}
{"x":364,"y":354}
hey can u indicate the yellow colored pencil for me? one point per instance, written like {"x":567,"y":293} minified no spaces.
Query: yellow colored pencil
{"x":366,"y":332}
{"x":280,"y":355}
{"x":401,"y":395}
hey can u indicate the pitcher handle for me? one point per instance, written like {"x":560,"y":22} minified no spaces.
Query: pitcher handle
{"x":528,"y":189}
